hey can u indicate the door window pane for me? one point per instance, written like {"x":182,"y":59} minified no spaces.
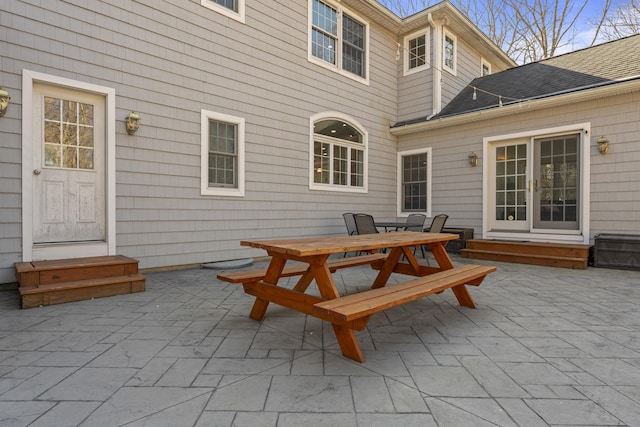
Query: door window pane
{"x":558,"y":180}
{"x":511,"y":179}
{"x":68,"y":125}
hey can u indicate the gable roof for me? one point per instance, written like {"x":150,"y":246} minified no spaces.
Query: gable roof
{"x":605,"y":64}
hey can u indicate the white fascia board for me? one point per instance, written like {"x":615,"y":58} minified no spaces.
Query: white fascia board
{"x":623,"y":87}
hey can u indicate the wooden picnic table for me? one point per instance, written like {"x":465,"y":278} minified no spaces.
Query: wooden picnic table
{"x":352,"y":312}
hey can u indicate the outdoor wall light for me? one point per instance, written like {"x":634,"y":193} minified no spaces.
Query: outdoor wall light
{"x":473,"y":159}
{"x":133,"y":123}
{"x":603,"y":145}
{"x":4,"y":101}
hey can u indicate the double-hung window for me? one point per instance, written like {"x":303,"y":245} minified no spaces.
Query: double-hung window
{"x":416,"y":52}
{"x":450,"y":52}
{"x":338,"y":156}
{"x":338,"y":39}
{"x":232,"y":8}
{"x":414,"y":182}
{"x":222,"y":154}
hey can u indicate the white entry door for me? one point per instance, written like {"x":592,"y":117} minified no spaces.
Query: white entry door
{"x":69,"y":196}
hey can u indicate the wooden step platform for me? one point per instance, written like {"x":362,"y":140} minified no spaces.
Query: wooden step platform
{"x":547,"y":254}
{"x":65,"y":280}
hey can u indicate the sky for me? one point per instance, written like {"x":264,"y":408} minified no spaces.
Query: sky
{"x":584,"y":28}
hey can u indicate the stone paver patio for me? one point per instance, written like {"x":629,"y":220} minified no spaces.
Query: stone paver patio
{"x":545,"y":347}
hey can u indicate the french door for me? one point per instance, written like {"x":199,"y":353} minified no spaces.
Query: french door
{"x":534,"y":184}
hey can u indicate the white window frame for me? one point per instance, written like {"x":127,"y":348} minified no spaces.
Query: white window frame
{"x":338,"y":66}
{"x":406,"y":59}
{"x":205,"y":189}
{"x":400,"y":156}
{"x":365,"y":147}
{"x":238,"y":16}
{"x":484,"y":63}
{"x":453,"y":70}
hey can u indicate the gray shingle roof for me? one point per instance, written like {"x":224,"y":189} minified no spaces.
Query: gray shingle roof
{"x":579,"y":70}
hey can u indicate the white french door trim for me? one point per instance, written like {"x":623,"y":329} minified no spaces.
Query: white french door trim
{"x":582,"y":235}
{"x":29,"y":252}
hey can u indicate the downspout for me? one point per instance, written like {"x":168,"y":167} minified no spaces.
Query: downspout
{"x":436,"y":96}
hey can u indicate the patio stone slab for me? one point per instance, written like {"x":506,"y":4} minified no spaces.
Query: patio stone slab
{"x":544,"y":347}
{"x":310,"y":394}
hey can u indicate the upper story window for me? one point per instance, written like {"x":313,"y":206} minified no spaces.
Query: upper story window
{"x":222,"y":155}
{"x":338,"y":39}
{"x":414,"y":181}
{"x":485,"y":68}
{"x":416,"y":52}
{"x":232,"y":8}
{"x":450,"y":52}
{"x":338,"y":155}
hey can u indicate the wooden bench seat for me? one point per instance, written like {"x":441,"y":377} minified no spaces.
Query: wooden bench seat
{"x":347,"y":310}
{"x":299,"y":269}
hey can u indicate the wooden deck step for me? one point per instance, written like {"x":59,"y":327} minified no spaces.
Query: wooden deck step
{"x":58,"y":281}
{"x":57,"y":293}
{"x":534,"y":253}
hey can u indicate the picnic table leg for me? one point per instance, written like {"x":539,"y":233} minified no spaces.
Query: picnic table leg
{"x":274,"y":271}
{"x":328,"y":290}
{"x":442,"y":257}
{"x":387,"y":267}
{"x":348,"y":343}
{"x":440,"y":254}
{"x":411,"y":259}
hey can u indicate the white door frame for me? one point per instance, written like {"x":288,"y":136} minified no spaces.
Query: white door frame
{"x":29,"y":252}
{"x":582,"y":236}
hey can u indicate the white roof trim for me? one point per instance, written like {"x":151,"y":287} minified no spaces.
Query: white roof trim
{"x":626,"y":86}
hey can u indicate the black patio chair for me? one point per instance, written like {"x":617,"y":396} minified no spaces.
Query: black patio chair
{"x":437,"y":225}
{"x":365,"y":224}
{"x":417,"y":224}
{"x":350,"y":223}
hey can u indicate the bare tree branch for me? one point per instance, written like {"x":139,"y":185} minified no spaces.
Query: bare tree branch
{"x":530,"y":30}
{"x":623,"y":22}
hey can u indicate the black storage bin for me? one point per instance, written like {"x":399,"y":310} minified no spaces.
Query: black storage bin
{"x":617,"y":251}
{"x":455,"y":246}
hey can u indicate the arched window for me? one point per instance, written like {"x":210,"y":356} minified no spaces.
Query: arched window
{"x":338,"y":155}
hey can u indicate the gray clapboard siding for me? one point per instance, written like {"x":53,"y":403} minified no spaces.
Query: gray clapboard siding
{"x":169,"y":60}
{"x":614,"y":177}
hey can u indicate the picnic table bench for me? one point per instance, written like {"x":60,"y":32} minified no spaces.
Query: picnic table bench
{"x":299,"y":269}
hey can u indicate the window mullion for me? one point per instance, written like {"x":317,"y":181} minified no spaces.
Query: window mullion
{"x":331,"y":160}
{"x":339,"y":40}
{"x":349,"y":150}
